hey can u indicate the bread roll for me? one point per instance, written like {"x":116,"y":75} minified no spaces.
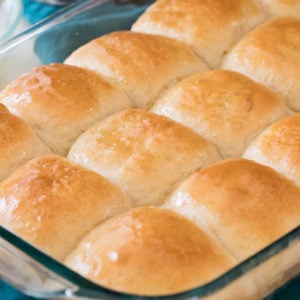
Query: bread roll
{"x":149,"y":251}
{"x":18,"y":142}
{"x":143,"y":65}
{"x":270,"y":54}
{"x":52,"y":203}
{"x":225,"y":107}
{"x":244,"y":205}
{"x":282,"y":7}
{"x":61,"y":101}
{"x":210,"y":27}
{"x":143,"y":153}
{"x":279,"y":147}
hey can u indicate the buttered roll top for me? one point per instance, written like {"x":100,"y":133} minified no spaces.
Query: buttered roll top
{"x":279,"y":147}
{"x":225,"y":107}
{"x":149,"y":251}
{"x":270,"y":54}
{"x":61,"y":101}
{"x":143,"y":153}
{"x":281,"y":7}
{"x":53,"y":203}
{"x":143,"y":65}
{"x":244,"y":205}
{"x":210,"y":27}
{"x":18,"y":142}
{"x":155,"y":159}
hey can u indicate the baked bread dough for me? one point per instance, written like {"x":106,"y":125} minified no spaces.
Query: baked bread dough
{"x":143,"y":153}
{"x":242,"y":204}
{"x":279,"y":147}
{"x":144,"y":122}
{"x":143,"y":65}
{"x":210,"y":27}
{"x":53,"y":203}
{"x":270,"y":55}
{"x":281,"y":7}
{"x":18,"y":143}
{"x":227,"y":108}
{"x":61,"y":101}
{"x":149,"y":251}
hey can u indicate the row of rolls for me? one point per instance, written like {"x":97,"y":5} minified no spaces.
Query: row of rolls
{"x":154,"y":160}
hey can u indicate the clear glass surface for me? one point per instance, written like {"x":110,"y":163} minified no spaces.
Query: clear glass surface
{"x":10,"y":16}
{"x":38,"y":275}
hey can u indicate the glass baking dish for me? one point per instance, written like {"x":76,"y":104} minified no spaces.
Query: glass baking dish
{"x":10,"y":16}
{"x":38,"y":275}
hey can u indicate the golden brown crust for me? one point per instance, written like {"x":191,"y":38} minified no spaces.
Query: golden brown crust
{"x":143,"y":65}
{"x":52,"y":203}
{"x":61,"y":101}
{"x":244,"y":205}
{"x":149,"y":251}
{"x":282,"y":7}
{"x":210,"y":27}
{"x":225,"y":107}
{"x":270,"y":54}
{"x":279,"y":147}
{"x":143,"y":153}
{"x":239,"y":206}
{"x":18,"y":142}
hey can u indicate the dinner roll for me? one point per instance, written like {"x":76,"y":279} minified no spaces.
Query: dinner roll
{"x":149,"y":251}
{"x":210,"y":27}
{"x":61,"y":101}
{"x":244,"y":205}
{"x":53,"y":203}
{"x":18,"y":142}
{"x":270,"y":54}
{"x":226,"y":107}
{"x":143,"y":153}
{"x":279,"y":147}
{"x":282,"y":7}
{"x":143,"y":65}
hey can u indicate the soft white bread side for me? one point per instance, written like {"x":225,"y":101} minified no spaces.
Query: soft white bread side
{"x":270,"y":54}
{"x":18,"y":142}
{"x":225,"y":107}
{"x":53,"y":203}
{"x":61,"y":101}
{"x":279,"y":147}
{"x":144,"y":154}
{"x":242,"y":204}
{"x":281,"y":7}
{"x":210,"y":27}
{"x":149,"y":251}
{"x":144,"y":65}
